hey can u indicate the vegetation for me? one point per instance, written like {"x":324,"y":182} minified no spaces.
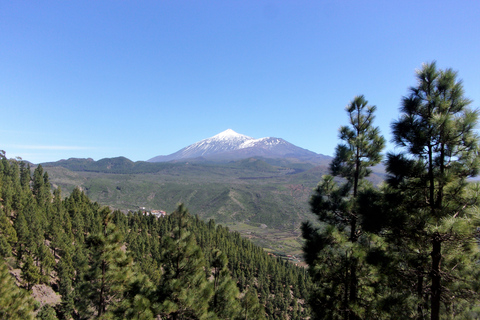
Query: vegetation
{"x":264,"y":199}
{"x":409,"y":249}
{"x":15,"y":303}
{"x":247,"y":193}
{"x":428,"y":185}
{"x":113,"y":265}
{"x":336,"y":251}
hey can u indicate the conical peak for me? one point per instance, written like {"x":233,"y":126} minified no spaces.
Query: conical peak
{"x":229,"y":144}
{"x":229,"y":134}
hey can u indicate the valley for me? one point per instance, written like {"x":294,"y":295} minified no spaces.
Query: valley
{"x":265,"y":200}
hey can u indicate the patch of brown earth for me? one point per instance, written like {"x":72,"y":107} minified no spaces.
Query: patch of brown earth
{"x":45,"y":295}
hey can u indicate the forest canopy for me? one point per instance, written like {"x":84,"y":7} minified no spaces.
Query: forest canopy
{"x":110,"y":265}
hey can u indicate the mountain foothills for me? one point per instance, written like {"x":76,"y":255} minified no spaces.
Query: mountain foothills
{"x":105,"y":264}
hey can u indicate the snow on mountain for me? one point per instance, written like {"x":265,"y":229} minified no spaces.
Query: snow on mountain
{"x":229,"y":134}
{"x":232,"y":145}
{"x":224,"y":141}
{"x":262,"y":141}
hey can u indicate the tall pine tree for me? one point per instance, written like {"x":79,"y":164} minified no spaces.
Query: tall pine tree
{"x":109,"y":269}
{"x":225,"y":303}
{"x":335,"y":252}
{"x":436,"y":131}
{"x":184,"y":291}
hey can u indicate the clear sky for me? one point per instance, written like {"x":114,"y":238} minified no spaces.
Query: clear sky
{"x":139,"y":79}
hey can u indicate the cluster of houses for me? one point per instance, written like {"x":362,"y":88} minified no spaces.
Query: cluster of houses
{"x":156,"y":213}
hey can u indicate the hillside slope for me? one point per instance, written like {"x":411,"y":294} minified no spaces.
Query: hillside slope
{"x":264,"y":199}
{"x":80,"y":260}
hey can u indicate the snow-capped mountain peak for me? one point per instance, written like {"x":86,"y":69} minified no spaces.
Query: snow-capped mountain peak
{"x":229,"y":134}
{"x":232,"y":145}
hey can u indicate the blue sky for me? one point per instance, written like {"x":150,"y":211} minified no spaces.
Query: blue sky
{"x":145,"y":78}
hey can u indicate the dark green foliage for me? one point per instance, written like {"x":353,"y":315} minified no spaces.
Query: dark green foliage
{"x":47,"y":262}
{"x":137,"y":301}
{"x":113,"y":265}
{"x":225,"y":303}
{"x":47,"y":312}
{"x":65,"y":289}
{"x":8,"y":235}
{"x":343,"y":280}
{"x":15,"y":303}
{"x":184,"y":290}
{"x":251,"y":308}
{"x":25,"y":175}
{"x":432,"y":209}
{"x":5,"y":248}
{"x":362,"y":144}
{"x":30,"y":273}
{"x":41,"y":187}
{"x":109,"y":269}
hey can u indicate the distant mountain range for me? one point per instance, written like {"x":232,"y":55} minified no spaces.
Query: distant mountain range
{"x":230,"y":145}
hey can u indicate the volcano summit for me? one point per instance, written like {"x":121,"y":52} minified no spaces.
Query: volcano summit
{"x":230,"y":145}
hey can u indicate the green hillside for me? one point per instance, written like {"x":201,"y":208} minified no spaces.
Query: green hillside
{"x":74,"y":259}
{"x":251,"y":195}
{"x":265,"y":200}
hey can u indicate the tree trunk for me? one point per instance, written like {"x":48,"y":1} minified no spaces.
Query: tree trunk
{"x":101,"y":302}
{"x":420,"y":293}
{"x":352,"y":280}
{"x":353,"y":288}
{"x":346,"y":310}
{"x":436,"y":277}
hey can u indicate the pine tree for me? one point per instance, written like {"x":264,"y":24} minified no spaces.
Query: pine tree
{"x":30,"y":273}
{"x":8,"y":235}
{"x":65,"y":275}
{"x":41,"y":186}
{"x":137,"y":301}
{"x":251,"y":308}
{"x":109,"y":269}
{"x":225,"y":302}
{"x":47,"y":312}
{"x":429,"y":181}
{"x":25,"y":175}
{"x":335,"y":253}
{"x":184,"y":292}
{"x":15,"y":303}
{"x":47,"y":262}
